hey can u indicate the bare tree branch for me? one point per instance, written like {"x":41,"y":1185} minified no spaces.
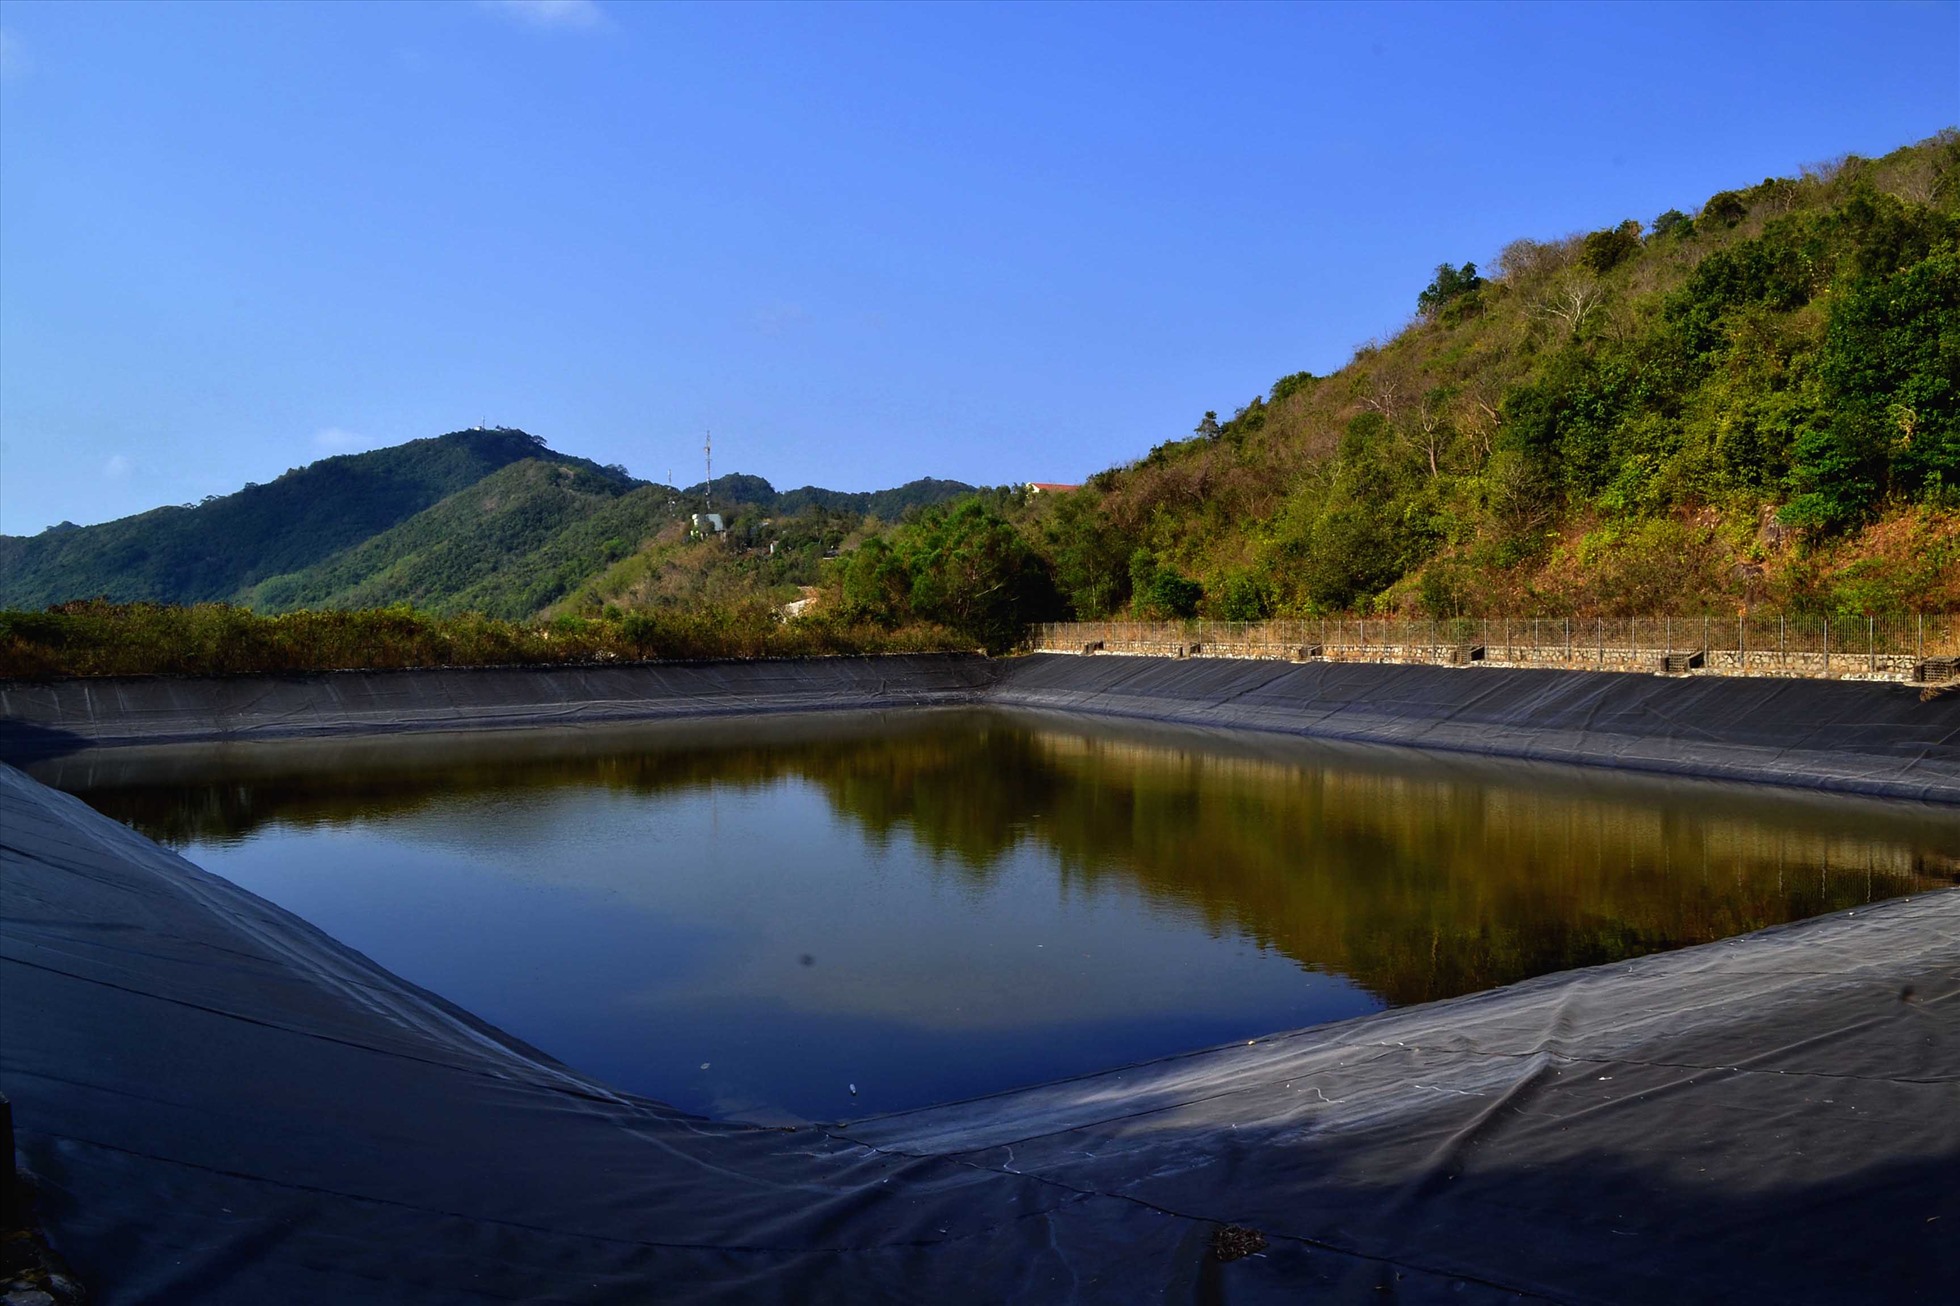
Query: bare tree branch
{"x":1572,"y":301}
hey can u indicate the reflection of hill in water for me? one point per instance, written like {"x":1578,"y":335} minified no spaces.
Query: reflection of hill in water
{"x":1418,"y":877}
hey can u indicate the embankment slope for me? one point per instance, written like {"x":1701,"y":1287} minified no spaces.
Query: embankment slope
{"x":1850,"y":736}
{"x":222,"y":1105}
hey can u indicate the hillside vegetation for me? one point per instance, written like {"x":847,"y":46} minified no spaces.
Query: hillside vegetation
{"x":1752,"y":405}
{"x":94,"y":638}
{"x":503,"y":546}
{"x":226,"y":544}
{"x":1757,"y":403}
{"x":484,"y":521}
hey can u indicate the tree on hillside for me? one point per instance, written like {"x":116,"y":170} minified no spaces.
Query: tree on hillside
{"x":1890,"y":369}
{"x":1430,"y":430}
{"x":966,"y":567}
{"x":1605,"y":250}
{"x":972,"y":571}
{"x":1452,"y":288}
{"x":1726,"y":208}
{"x":1674,"y":223}
{"x":1091,"y":556}
{"x":1572,"y":300}
{"x":1294,"y":383}
{"x":874,"y":584}
{"x":1160,"y":592}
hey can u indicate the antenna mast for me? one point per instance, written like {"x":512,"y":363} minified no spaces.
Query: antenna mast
{"x":708,"y":490}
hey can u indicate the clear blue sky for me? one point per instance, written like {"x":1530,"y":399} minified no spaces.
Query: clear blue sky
{"x":862,"y":243}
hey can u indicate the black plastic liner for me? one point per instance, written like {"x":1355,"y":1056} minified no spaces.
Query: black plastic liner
{"x":222,"y":1105}
{"x":1866,"y":737}
{"x":43,"y":717}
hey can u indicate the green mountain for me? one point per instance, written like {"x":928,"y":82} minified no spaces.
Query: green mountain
{"x":497,"y":546}
{"x":487,"y":521}
{"x":738,"y":492}
{"x":219,"y":548}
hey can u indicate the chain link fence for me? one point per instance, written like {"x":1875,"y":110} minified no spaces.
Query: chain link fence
{"x":1919,"y":648}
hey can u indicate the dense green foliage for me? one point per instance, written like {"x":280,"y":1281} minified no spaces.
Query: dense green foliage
{"x":104,"y":639}
{"x":1452,"y":294}
{"x":1757,"y":404}
{"x":757,"y":496}
{"x":965,"y":567}
{"x":500,"y":546}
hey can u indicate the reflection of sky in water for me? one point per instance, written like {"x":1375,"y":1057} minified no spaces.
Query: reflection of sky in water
{"x":958,"y":906}
{"x":637,"y":937}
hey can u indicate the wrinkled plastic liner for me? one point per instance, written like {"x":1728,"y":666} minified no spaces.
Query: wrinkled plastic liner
{"x":221,"y":1104}
{"x":39,"y":718}
{"x":1851,"y":736}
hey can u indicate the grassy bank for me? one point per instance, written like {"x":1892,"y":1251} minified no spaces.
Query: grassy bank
{"x":137,"y":639}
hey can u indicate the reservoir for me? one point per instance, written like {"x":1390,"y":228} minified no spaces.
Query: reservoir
{"x":829,"y":916}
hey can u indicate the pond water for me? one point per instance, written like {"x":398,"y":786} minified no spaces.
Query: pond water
{"x":754,"y":918}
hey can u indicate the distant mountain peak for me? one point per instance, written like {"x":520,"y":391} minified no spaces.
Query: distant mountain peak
{"x":344,"y":529}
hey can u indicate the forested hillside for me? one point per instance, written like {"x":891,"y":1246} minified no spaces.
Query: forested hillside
{"x":225,"y":545}
{"x":486,"y":521}
{"x":500,"y":546}
{"x":1753,"y":403}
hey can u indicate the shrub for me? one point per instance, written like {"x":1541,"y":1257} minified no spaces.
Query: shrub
{"x":97,"y":638}
{"x":1606,"y":250}
{"x":1452,"y":287}
{"x":1726,"y":208}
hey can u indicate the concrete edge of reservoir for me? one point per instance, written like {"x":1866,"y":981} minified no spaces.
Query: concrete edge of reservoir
{"x":1872,"y":738}
{"x":220,"y":1104}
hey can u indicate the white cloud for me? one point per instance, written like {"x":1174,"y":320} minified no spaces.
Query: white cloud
{"x":116,"y":468}
{"x":12,"y":61}
{"x":334,"y":440}
{"x":551,"y":13}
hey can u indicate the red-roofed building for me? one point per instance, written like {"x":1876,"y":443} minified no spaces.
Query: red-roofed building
{"x":1050,"y":487}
